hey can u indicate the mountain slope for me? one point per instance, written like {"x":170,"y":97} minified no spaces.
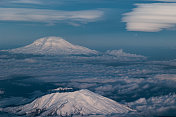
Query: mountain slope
{"x":83,"y":102}
{"x":53,"y":46}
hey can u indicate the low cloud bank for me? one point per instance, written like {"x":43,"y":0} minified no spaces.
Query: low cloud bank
{"x":155,"y":106}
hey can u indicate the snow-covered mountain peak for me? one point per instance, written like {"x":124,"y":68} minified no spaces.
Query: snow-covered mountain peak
{"x":82,"y":102}
{"x":53,"y":46}
{"x":52,"y":42}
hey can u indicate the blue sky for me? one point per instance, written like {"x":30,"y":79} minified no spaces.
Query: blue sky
{"x":92,"y":23}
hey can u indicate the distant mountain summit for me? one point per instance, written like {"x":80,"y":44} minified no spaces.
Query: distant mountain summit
{"x":53,"y":46}
{"x":82,"y":102}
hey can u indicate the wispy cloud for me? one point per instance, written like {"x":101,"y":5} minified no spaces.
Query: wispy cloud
{"x":166,"y":0}
{"x":49,"y":16}
{"x":27,"y":1}
{"x":152,"y":17}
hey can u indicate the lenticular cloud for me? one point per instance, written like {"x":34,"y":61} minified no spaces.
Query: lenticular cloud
{"x":152,"y":17}
{"x":49,"y":16}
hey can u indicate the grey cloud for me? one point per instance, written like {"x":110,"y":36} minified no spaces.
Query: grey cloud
{"x":171,"y":77}
{"x":12,"y":101}
{"x":1,"y":92}
{"x":154,"y":105}
{"x":82,"y":85}
{"x":105,"y":88}
{"x":95,"y":80}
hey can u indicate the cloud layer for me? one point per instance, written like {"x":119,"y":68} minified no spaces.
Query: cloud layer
{"x":157,"y":106}
{"x":134,"y":83}
{"x":49,"y":16}
{"x":151,"y":17}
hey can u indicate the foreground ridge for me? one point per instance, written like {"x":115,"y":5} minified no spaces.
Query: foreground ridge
{"x":82,"y":102}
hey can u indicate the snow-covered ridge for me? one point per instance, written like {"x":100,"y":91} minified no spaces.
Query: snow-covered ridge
{"x":121,"y":53}
{"x":53,"y":46}
{"x":82,"y":102}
